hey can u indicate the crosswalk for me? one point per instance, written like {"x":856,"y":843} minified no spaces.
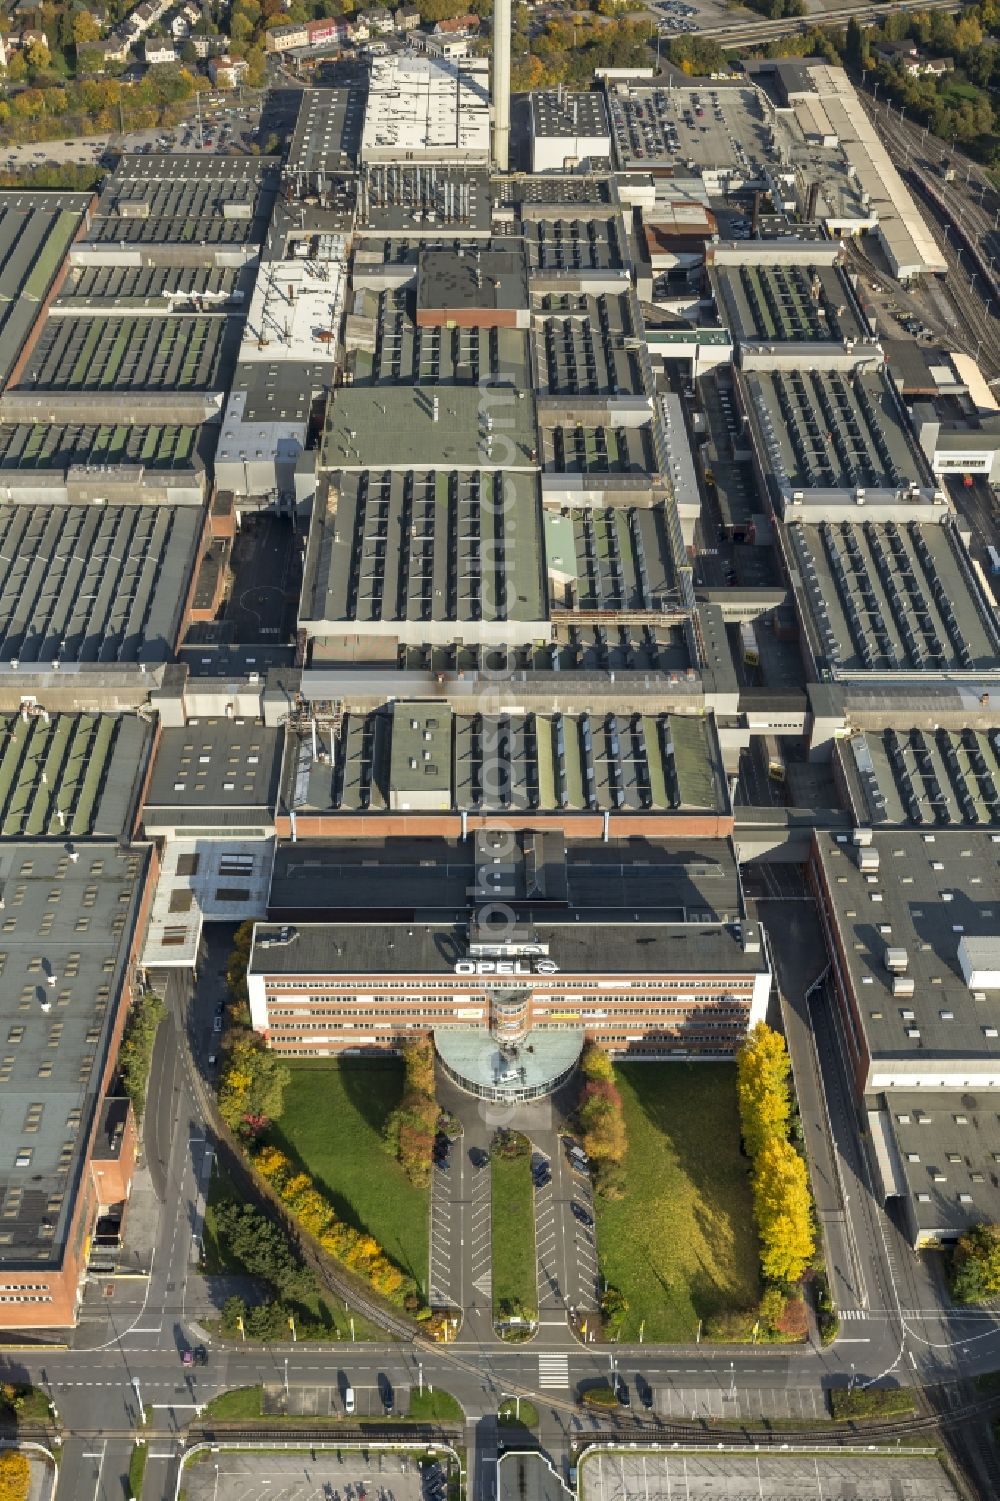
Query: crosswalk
{"x":553,"y":1372}
{"x":853,"y":1313}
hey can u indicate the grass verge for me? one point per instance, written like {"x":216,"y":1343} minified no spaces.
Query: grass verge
{"x":515,"y":1277}
{"x":436,"y":1405}
{"x":241,"y":1403}
{"x":518,"y":1412}
{"x":332,"y":1122}
{"x":871,"y":1402}
{"x":680,"y":1243}
{"x":137,"y":1470}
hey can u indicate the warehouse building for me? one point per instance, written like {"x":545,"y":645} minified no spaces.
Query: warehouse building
{"x":642,"y":948}
{"x":210,"y":805}
{"x":71,"y":776}
{"x":92,"y":588}
{"x":891,"y":599}
{"x":932,"y":777}
{"x":428,"y":110}
{"x":413,"y":767}
{"x":414,"y":557}
{"x":77,"y":463}
{"x":938,"y":1156}
{"x":911,"y":920}
{"x":568,"y":129}
{"x":36,"y":232}
{"x":789,"y":305}
{"x":834,"y":440}
{"x":73,"y":915}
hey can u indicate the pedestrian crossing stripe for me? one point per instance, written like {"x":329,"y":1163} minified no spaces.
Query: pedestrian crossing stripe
{"x":853,"y":1313}
{"x":553,"y":1371}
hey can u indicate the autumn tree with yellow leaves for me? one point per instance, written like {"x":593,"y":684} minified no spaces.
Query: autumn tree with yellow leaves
{"x":781,"y":1197}
{"x":15,"y":1475}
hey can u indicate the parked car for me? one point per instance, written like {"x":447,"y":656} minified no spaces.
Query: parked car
{"x":582,"y":1215}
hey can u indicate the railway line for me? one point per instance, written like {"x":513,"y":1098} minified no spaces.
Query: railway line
{"x":966,"y":231}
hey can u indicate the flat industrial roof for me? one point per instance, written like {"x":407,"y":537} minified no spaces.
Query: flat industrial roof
{"x":211,"y":767}
{"x":188,"y":200}
{"x":412,"y":545}
{"x":561,"y":114}
{"x":935,"y":778}
{"x":94,"y":584}
{"x":327,"y":133}
{"x":831,"y":429}
{"x":427,"y":426}
{"x":395,"y":351}
{"x":67,"y":928}
{"x":625,"y":762}
{"x":776,"y":304}
{"x":947,"y":1151}
{"x":165,"y":354}
{"x":472,"y":278}
{"x":69,"y":775}
{"x":645,"y":945}
{"x":930,"y":890}
{"x":427,"y":109}
{"x":356,"y":879}
{"x":36,"y":231}
{"x":585,"y":345}
{"x":891,"y":597}
{"x":107,"y":446}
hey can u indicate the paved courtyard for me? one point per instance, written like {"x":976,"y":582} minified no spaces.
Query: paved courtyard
{"x":738,"y":1477}
{"x":296,"y":1476}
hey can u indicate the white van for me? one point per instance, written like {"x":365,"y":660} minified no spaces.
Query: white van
{"x":349,"y":1400}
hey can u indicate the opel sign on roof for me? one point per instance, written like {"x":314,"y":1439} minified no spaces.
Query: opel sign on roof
{"x":506,"y":967}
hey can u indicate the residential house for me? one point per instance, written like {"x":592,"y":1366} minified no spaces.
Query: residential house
{"x":466,"y":25}
{"x":407,"y":18}
{"x":159,"y":51}
{"x":378,"y":20}
{"x":284,"y":38}
{"x":226,"y":72}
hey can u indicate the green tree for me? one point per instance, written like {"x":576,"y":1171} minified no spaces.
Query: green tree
{"x":975,"y":1264}
{"x":252,"y":1087}
{"x":136,"y":1055}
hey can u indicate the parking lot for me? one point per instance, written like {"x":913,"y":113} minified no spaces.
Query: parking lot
{"x":565,"y":1234}
{"x":696,"y":1477}
{"x":336,"y":1475}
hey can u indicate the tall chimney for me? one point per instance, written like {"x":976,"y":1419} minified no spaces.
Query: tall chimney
{"x":501,"y":84}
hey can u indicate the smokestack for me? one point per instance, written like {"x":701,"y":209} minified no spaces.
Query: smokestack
{"x":501,"y":84}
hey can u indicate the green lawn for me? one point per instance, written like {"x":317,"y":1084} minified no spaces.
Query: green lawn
{"x":434,"y":1406}
{"x":332,"y":1122}
{"x":515,"y":1277}
{"x":680,"y":1244}
{"x":241,"y":1403}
